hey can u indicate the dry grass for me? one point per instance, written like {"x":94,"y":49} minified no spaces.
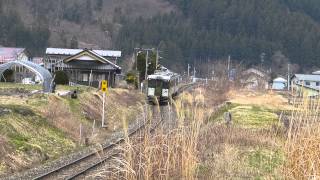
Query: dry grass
{"x":120,"y":104}
{"x":302,"y":146}
{"x":199,"y":147}
{"x":233,"y":152}
{"x":40,"y":127}
{"x":268,"y":99}
{"x":165,"y":153}
{"x":250,"y":148}
{"x":58,"y":113}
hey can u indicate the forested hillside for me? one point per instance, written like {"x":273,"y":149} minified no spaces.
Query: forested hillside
{"x":242,"y":28}
{"x":186,"y":31}
{"x":36,"y":24}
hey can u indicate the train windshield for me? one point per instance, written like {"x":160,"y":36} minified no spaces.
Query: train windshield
{"x":156,"y":83}
{"x":165,"y":85}
{"x":152,"y":83}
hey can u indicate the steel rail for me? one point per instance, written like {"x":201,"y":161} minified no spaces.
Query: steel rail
{"x":104,"y":148}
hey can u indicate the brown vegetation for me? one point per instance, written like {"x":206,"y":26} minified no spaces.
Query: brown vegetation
{"x":302,"y":145}
{"x":59,"y":114}
{"x":165,"y":153}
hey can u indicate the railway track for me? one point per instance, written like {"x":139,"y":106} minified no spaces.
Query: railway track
{"x":91,"y":160}
{"x":79,"y":166}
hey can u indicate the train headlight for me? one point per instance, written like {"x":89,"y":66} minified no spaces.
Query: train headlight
{"x":165,"y":92}
{"x":151,"y":91}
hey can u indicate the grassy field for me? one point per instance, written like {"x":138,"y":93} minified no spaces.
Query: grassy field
{"x":41,"y":127}
{"x":203,"y":146}
{"x":27,"y":138}
{"x":252,"y":147}
{"x":22,"y":86}
{"x":248,"y":148}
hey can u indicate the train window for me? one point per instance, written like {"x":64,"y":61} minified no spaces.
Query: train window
{"x":165,"y":85}
{"x":152,"y":83}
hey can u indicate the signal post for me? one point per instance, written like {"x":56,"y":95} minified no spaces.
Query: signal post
{"x":104,"y":89}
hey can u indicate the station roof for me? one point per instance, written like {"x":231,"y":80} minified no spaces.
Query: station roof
{"x":71,"y":52}
{"x":90,"y":55}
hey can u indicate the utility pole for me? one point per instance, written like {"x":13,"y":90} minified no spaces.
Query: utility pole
{"x":228,"y":70}
{"x":194,"y":72}
{"x":138,"y":50}
{"x":288,"y":77}
{"x":188,"y":70}
{"x":262,"y":59}
{"x":136,"y":58}
{"x":229,"y":59}
{"x":146,"y":73}
{"x":157,"y":58}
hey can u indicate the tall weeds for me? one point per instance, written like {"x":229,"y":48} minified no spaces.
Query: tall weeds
{"x":303,"y":142}
{"x":169,"y":152}
{"x":60,"y":115}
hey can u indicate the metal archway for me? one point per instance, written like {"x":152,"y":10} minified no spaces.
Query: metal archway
{"x":43,"y":73}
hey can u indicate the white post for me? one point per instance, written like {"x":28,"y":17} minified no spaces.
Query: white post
{"x":93,"y":126}
{"x":169,"y":112}
{"x":288,"y":77}
{"x":80,"y":133}
{"x":146,"y":73}
{"x":103,"y":104}
{"x":141,"y":86}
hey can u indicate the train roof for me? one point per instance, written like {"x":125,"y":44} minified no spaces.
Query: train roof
{"x":163,"y":74}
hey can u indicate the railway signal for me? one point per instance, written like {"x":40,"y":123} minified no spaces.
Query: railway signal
{"x":104,"y":89}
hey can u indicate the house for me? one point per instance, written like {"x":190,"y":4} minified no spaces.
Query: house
{"x":254,"y":79}
{"x":38,"y":60}
{"x":308,"y":80}
{"x":84,"y":66}
{"x":279,"y":83}
{"x":8,"y":54}
{"x":316,"y":72}
{"x":306,"y":83}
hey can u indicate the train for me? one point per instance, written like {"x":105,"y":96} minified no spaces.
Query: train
{"x":163,"y":85}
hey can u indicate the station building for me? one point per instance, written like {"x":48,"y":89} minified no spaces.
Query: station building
{"x":84,"y":66}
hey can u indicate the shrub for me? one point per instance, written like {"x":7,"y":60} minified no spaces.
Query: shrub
{"x":61,"y":78}
{"x":131,"y":78}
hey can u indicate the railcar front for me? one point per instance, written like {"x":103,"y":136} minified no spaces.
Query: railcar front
{"x":158,"y":89}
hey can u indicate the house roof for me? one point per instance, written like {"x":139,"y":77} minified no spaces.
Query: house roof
{"x":254,"y":71}
{"x":316,"y":72}
{"x":10,"y":53}
{"x":89,"y":55}
{"x":307,"y":77}
{"x":71,"y":52}
{"x":280,"y":79}
{"x":309,"y":87}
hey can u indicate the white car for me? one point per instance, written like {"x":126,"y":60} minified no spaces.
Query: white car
{"x":27,"y":81}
